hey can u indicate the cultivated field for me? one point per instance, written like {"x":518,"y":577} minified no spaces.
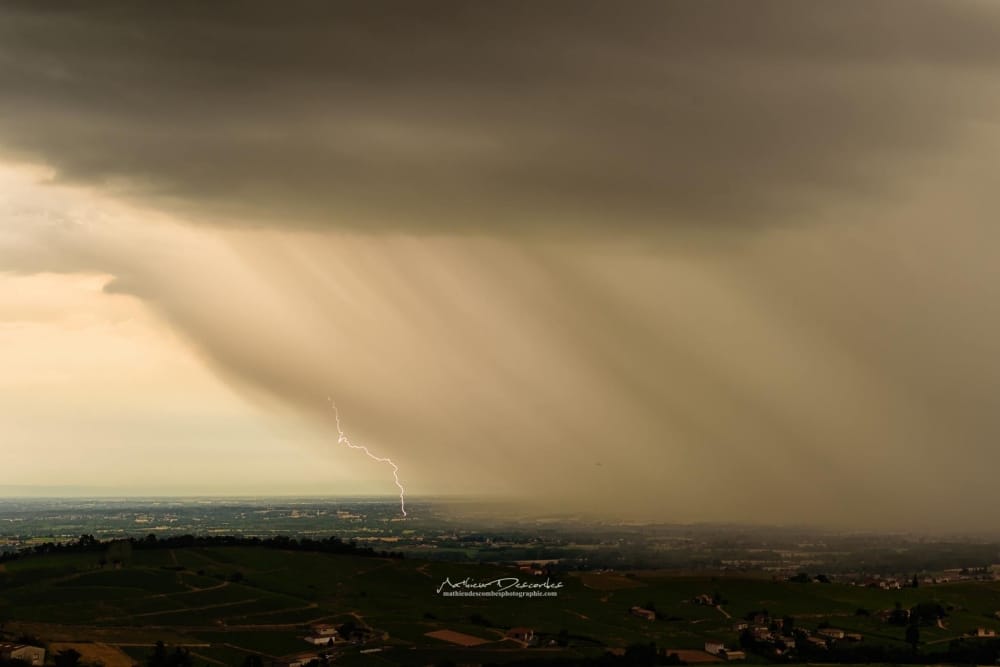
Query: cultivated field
{"x":226,"y":603}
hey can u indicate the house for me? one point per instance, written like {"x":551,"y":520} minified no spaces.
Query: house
{"x":740,"y":626}
{"x":819,"y":642}
{"x":647,"y":614}
{"x":324,"y":640}
{"x":521,"y":634}
{"x":32,"y":655}
{"x":324,"y":630}
{"x":853,"y":636}
{"x":761,"y":632}
{"x":985,"y":632}
{"x":298,"y":660}
{"x":832,"y":633}
{"x":715,"y":648}
{"x":733,"y":654}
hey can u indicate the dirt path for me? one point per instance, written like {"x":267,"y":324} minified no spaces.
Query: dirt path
{"x":313,"y":605}
{"x":723,"y":611}
{"x":941,"y":641}
{"x":194,"y":589}
{"x":247,"y":650}
{"x":179,"y":611}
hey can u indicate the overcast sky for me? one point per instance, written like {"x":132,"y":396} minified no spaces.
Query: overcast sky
{"x":685,"y":261}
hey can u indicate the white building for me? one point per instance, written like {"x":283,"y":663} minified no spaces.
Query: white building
{"x":326,"y":640}
{"x":30,"y":654}
{"x":324,"y":630}
{"x":715,"y":648}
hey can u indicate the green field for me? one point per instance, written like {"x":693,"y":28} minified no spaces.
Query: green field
{"x":248,"y":600}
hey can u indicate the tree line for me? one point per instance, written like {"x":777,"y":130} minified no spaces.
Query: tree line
{"x":89,"y":544}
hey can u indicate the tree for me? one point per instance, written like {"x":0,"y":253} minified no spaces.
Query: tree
{"x":913,"y":635}
{"x":641,"y":654}
{"x":347,"y":629}
{"x":68,"y":658}
{"x":158,"y":658}
{"x":927,"y":613}
{"x":180,"y":658}
{"x":916,"y":582}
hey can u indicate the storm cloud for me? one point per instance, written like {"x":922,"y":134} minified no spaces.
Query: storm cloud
{"x":551,"y":117}
{"x":470,"y":223}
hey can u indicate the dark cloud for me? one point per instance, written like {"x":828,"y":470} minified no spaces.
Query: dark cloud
{"x":485,"y":117}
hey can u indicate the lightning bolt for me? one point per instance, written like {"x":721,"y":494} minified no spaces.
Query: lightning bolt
{"x":342,"y":439}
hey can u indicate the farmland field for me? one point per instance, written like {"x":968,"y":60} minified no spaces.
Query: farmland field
{"x":226,"y":603}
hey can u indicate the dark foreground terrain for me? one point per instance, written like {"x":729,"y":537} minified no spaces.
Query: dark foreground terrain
{"x":255,"y":604}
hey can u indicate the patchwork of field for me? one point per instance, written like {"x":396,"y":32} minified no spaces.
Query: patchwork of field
{"x":226,"y":603}
{"x":459,"y":638}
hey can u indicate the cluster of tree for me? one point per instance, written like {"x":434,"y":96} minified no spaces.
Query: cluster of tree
{"x":161,"y":657}
{"x":637,"y":655}
{"x":805,"y":578}
{"x":72,"y":658}
{"x":959,"y":652}
{"x":923,"y":557}
{"x":354,"y":632}
{"x":923,"y":613}
{"x":88,"y":543}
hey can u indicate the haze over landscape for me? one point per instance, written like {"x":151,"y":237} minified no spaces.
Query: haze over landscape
{"x":686,"y":262}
